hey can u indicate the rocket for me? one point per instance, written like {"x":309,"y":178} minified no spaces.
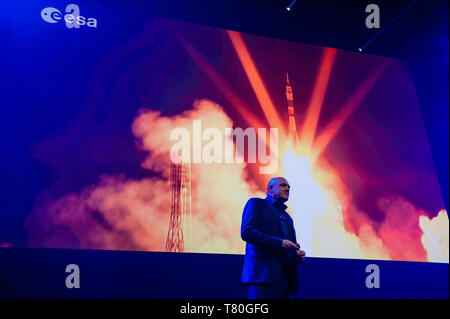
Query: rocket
{"x":290,"y":100}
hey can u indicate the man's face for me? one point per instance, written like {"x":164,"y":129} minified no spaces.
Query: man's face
{"x":280,"y":190}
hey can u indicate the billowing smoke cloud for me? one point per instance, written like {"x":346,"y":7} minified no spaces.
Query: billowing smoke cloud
{"x":435,"y":236}
{"x":405,"y":232}
{"x":400,"y":229}
{"x":126,"y":214}
{"x":117,"y":214}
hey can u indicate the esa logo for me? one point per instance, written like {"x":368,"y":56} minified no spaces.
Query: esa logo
{"x":72,"y":17}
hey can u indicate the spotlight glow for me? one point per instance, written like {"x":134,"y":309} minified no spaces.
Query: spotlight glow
{"x":290,"y":6}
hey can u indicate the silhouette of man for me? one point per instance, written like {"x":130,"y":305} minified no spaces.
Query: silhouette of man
{"x":272,"y":253}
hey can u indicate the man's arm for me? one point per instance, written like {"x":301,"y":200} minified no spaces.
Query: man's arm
{"x":250,"y":229}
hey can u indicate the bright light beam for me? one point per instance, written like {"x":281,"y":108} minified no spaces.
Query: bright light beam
{"x":330,"y":131}
{"x":219,"y":82}
{"x":262,"y":94}
{"x":309,"y":127}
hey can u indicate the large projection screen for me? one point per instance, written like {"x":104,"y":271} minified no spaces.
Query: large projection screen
{"x":150,"y":134}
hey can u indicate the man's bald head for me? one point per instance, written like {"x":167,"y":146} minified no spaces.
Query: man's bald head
{"x":278,"y":188}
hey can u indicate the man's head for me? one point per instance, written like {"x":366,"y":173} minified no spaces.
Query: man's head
{"x":278,"y":188}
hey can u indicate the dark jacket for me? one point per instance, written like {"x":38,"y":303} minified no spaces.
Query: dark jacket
{"x":262,"y":229}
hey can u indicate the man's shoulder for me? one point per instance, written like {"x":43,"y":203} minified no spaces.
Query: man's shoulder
{"x":256,"y":200}
{"x":258,"y":203}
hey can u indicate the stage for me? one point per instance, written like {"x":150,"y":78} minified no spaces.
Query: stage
{"x":41,"y":273}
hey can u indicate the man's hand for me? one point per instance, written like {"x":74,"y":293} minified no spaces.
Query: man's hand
{"x":301,"y":254}
{"x":288,"y":245}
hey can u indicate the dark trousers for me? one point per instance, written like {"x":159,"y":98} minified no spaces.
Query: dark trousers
{"x":276,"y":290}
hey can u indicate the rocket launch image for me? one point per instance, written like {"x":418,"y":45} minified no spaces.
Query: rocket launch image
{"x":350,"y":141}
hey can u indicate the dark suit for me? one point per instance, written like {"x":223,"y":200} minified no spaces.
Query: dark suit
{"x":264,"y":226}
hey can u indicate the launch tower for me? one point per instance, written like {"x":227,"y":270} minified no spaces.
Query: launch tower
{"x":181,"y":215}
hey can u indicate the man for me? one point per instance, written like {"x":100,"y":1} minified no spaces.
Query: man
{"x":271,"y":253}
